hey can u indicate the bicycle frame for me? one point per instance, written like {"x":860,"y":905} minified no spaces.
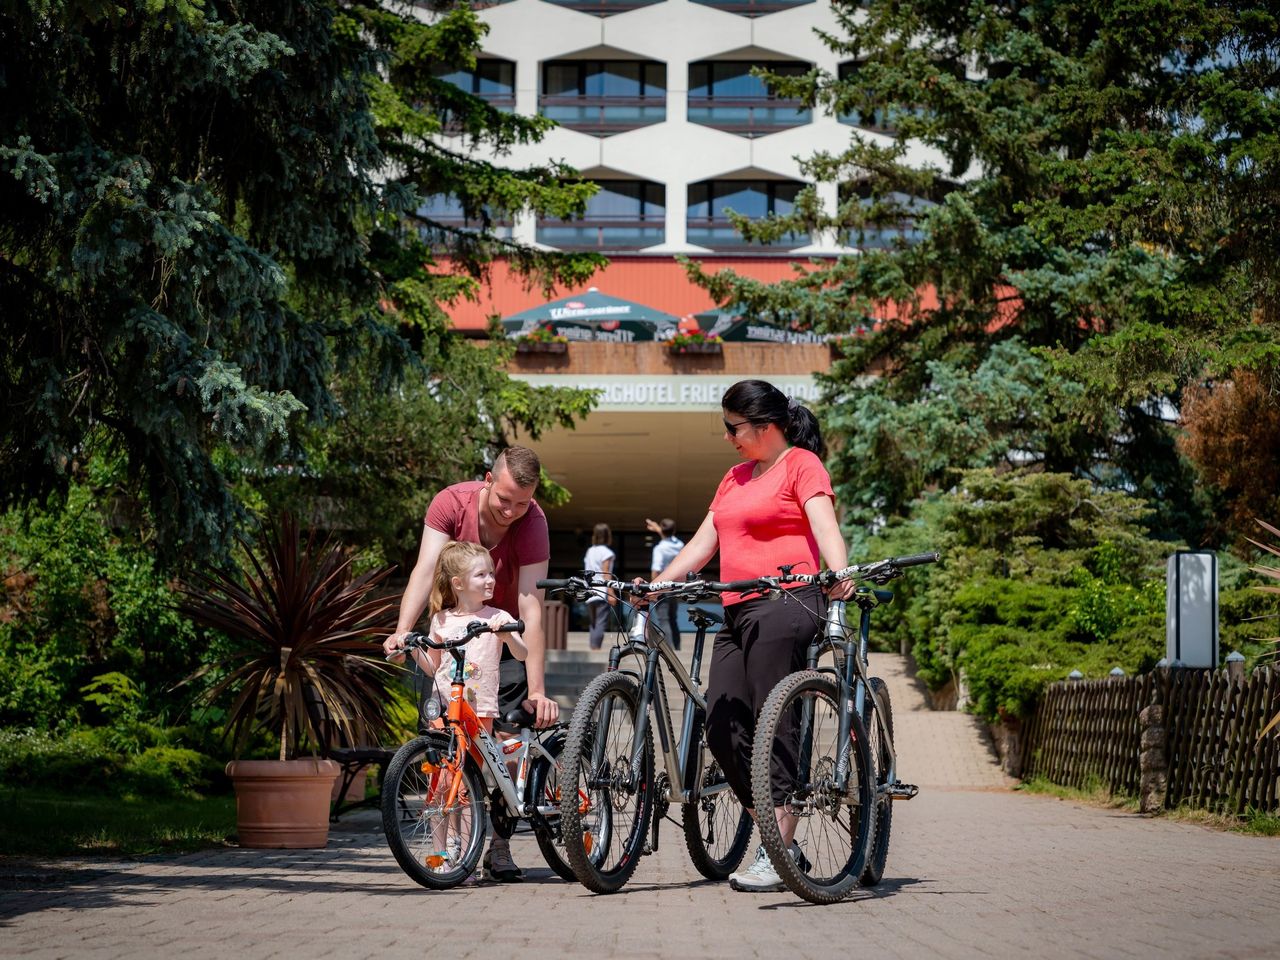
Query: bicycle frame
{"x":851,"y":670}
{"x":655,"y":651}
{"x":489,"y":755}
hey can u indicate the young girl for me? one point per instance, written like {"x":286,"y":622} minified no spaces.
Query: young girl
{"x":464,"y":580}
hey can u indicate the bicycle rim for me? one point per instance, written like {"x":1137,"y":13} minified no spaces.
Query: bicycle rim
{"x":433,"y":812}
{"x":605,"y":805}
{"x":797,"y":763}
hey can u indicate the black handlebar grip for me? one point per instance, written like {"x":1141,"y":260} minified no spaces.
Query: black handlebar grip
{"x":743,"y":586}
{"x":551,"y":584}
{"x":515,"y":626}
{"x":917,"y":559}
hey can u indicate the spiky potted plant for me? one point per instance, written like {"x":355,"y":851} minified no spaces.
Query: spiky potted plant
{"x":301,"y":626}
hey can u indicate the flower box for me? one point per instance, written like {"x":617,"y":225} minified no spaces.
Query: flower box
{"x":541,"y":346}
{"x":705,"y":347}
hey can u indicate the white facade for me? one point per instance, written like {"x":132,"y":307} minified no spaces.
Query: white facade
{"x":675,"y":153}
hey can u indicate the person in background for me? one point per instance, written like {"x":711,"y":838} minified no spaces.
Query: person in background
{"x":599,"y":559}
{"x":664,"y":551}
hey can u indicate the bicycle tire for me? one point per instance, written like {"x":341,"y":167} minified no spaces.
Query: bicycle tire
{"x":833,"y":830}
{"x":544,"y":788}
{"x":419,"y":831}
{"x":600,"y":844}
{"x":717,"y":816}
{"x":882,"y":821}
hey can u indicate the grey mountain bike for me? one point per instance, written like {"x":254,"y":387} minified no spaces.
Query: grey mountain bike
{"x":614,"y":800}
{"x":824,"y":749}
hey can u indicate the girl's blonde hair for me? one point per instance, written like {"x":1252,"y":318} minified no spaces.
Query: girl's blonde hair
{"x":456,"y":560}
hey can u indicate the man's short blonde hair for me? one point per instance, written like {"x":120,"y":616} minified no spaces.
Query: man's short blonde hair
{"x":522,"y":463}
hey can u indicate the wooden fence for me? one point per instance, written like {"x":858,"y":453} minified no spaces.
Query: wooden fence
{"x":1088,"y":732}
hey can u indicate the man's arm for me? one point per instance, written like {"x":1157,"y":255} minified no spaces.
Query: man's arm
{"x":418,"y":591}
{"x":535,"y":665}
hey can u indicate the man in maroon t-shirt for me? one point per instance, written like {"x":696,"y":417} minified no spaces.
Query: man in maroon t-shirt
{"x":499,"y":514}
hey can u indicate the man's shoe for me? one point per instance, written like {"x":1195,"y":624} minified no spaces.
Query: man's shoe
{"x":499,"y":866}
{"x":760,"y":877}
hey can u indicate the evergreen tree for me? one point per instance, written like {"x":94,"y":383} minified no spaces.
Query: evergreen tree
{"x":209,"y":214}
{"x":1105,"y":188}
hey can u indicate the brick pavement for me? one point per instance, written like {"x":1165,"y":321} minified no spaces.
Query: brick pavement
{"x":974,"y":870}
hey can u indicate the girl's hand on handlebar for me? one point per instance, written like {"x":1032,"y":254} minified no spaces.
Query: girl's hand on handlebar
{"x":640,"y":602}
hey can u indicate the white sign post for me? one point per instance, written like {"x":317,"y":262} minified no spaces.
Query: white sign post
{"x":1191,"y":609}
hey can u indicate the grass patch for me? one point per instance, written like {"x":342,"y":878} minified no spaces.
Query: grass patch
{"x":54,"y":823}
{"x":1254,"y":821}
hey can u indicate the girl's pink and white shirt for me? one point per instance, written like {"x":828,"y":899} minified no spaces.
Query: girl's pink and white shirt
{"x":483,"y":655}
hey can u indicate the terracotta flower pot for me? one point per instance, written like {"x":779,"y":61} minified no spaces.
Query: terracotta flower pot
{"x":283,"y":803}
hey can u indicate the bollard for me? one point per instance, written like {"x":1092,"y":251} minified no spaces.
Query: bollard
{"x":1235,"y":666}
{"x":1075,"y":675}
{"x":1153,"y":763}
{"x":1117,"y":671}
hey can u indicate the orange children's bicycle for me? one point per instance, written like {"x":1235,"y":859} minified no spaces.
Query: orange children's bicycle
{"x":442,"y":788}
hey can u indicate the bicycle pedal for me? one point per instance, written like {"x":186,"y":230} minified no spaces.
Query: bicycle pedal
{"x":902,"y":791}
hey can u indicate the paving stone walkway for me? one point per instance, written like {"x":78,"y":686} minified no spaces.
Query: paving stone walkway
{"x":975,"y":870}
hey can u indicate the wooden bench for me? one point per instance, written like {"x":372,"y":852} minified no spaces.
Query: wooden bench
{"x":332,"y":745}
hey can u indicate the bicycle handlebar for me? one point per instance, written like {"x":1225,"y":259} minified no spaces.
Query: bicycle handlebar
{"x":880,"y":571}
{"x":473,"y":630}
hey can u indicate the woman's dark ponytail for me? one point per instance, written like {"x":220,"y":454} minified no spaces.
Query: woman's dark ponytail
{"x":762,"y":402}
{"x":803,"y":430}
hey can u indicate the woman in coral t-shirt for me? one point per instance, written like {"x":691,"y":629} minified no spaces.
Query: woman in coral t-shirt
{"x":774,"y":508}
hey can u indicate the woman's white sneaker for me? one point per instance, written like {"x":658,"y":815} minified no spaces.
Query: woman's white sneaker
{"x":760,"y":877}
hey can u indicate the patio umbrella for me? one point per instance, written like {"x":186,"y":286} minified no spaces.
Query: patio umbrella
{"x":594,"y":316}
{"x":731,"y":327}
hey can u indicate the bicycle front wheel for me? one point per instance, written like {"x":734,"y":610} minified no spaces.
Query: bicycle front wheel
{"x":606,"y":801}
{"x":716,"y":827}
{"x":879,"y":741}
{"x":802,"y":771}
{"x":433,"y":811}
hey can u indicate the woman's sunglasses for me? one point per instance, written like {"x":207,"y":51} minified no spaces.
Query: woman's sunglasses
{"x":733,"y":428}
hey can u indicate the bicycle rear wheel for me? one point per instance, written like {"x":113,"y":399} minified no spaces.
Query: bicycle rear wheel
{"x":796,"y":764}
{"x":433,"y":811}
{"x":544,"y":789}
{"x":605,"y":804}
{"x":882,"y":822}
{"x":716,"y":827}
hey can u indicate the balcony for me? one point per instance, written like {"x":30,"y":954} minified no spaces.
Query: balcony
{"x":753,"y":8}
{"x":601,"y":233}
{"x":726,"y":95}
{"x":710,"y":202}
{"x":603,"y":116}
{"x":748,"y":116}
{"x":603,"y":8}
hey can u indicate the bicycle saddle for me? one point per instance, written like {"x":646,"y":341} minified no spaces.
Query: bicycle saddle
{"x":515,"y":720}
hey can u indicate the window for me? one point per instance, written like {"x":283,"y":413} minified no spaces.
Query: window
{"x":446,"y":211}
{"x":623,"y":215}
{"x":896,"y":218}
{"x":603,"y":8}
{"x":604,"y":96}
{"x":710,"y":201}
{"x":753,"y":8}
{"x":492,"y":79}
{"x":723,"y":94}
{"x":880,"y":119}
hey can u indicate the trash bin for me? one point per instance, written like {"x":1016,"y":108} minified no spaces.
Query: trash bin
{"x":555,"y":624}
